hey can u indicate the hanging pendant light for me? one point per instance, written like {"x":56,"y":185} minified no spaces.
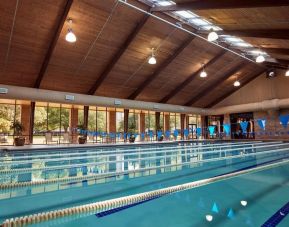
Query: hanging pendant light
{"x":70,"y":36}
{"x":213,"y":36}
{"x":152,"y":60}
{"x":287,"y":73}
{"x":260,"y":58}
{"x":203,"y":74}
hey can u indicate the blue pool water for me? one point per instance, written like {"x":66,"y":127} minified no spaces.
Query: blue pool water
{"x":45,"y":180}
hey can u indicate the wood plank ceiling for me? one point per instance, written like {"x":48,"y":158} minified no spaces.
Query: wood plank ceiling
{"x":114,"y":42}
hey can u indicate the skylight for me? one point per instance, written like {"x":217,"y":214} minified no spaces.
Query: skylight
{"x":199,"y":23}
{"x":242,"y":44}
{"x":185,"y":14}
{"x":257,"y":52}
{"x":165,"y":3}
{"x":232,"y":39}
{"x":209,"y":27}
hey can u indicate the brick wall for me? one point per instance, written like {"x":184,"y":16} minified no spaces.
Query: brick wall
{"x":273,"y":130}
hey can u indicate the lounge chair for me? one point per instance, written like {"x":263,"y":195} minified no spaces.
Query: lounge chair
{"x":49,"y":139}
{"x":3,"y":138}
{"x":66,"y":138}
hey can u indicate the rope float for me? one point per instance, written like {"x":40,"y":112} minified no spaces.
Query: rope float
{"x":126,"y":200}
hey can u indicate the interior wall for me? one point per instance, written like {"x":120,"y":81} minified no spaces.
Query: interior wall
{"x":258,"y":90}
{"x":273,"y":129}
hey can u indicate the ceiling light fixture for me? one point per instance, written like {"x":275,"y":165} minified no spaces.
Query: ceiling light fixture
{"x":203,"y":74}
{"x":70,"y":36}
{"x":260,"y":58}
{"x":152,"y":60}
{"x":237,"y":82}
{"x":213,"y":36}
{"x":287,"y":73}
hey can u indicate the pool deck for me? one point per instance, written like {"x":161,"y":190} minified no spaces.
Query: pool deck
{"x":63,"y":146}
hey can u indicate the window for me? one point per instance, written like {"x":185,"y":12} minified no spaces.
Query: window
{"x":101,"y":120}
{"x":150,"y":121}
{"x":120,"y":121}
{"x":91,"y":120}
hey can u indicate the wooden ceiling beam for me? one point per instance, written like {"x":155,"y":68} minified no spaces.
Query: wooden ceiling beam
{"x":191,"y":77}
{"x":275,"y":65}
{"x":220,"y":4}
{"x":283,"y":61}
{"x":278,"y":51}
{"x":227,"y":94}
{"x":260,"y":33}
{"x":118,"y":55}
{"x":149,"y":80}
{"x":219,"y":81}
{"x":52,"y":45}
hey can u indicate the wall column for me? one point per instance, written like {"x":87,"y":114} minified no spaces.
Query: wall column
{"x":183,"y":117}
{"x":142,"y":127}
{"x":112,"y":121}
{"x":204,"y":122}
{"x":125,"y":123}
{"x":73,"y":124}
{"x":158,"y":118}
{"x":85,"y":116}
{"x":26,"y":122}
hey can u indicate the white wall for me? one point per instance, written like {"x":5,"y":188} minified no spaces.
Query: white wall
{"x":260,"y":89}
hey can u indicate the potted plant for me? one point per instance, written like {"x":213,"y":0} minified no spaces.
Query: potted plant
{"x":18,"y":128}
{"x":131,"y":130}
{"x":82,"y":133}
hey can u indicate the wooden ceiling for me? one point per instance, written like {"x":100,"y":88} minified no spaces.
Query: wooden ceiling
{"x":115,"y":41}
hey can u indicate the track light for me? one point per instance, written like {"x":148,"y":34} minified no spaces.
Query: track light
{"x":271,"y":73}
{"x":203,"y":74}
{"x":260,"y":58}
{"x":287,"y":73}
{"x":152,"y":60}
{"x":213,"y":36}
{"x":70,"y":36}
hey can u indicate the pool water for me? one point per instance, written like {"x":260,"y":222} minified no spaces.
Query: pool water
{"x":43,"y":180}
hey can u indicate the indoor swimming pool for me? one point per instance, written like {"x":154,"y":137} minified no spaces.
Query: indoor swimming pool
{"x":165,"y":184}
